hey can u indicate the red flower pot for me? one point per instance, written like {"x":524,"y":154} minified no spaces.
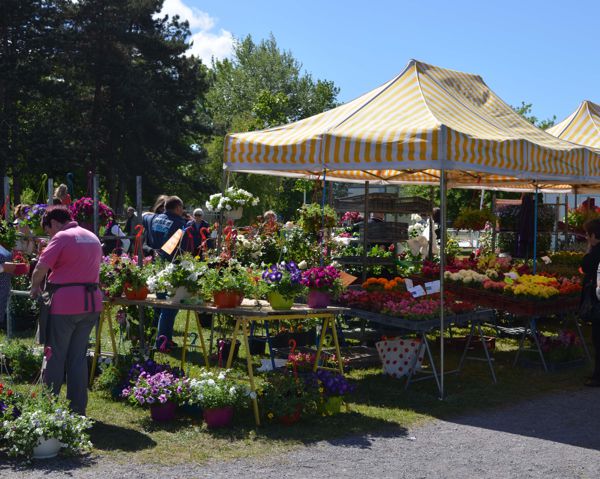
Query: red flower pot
{"x":289,"y":419}
{"x":218,"y":417}
{"x":135,"y":294}
{"x":162,"y":412}
{"x":318,"y":299}
{"x":227,"y":299}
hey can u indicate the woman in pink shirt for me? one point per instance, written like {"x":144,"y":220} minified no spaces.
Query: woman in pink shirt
{"x":72,"y":259}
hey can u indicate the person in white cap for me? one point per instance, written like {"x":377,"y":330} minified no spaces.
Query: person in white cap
{"x":192,"y":240}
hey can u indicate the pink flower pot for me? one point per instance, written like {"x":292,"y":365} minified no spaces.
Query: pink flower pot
{"x":163,"y":412}
{"x":318,"y":299}
{"x":218,"y":417}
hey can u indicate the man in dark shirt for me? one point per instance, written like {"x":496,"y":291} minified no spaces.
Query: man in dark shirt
{"x":192,"y":240}
{"x":589,"y":266}
{"x":164,"y":226}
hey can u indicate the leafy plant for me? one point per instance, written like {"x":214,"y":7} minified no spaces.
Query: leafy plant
{"x":24,"y":361}
{"x":156,"y":389}
{"x":473,"y":218}
{"x":231,"y":199}
{"x":284,"y":395}
{"x":228,"y":276}
{"x":284,"y":278}
{"x":44,"y":416}
{"x":185,"y":272}
{"x":8,"y":235}
{"x":313,"y":218}
{"x":216,"y":390}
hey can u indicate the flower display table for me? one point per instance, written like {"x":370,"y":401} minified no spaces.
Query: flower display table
{"x":249,"y":311}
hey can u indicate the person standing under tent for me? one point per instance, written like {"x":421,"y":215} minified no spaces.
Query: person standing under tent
{"x":589,"y":266}
{"x":72,"y":259}
{"x":163,"y":227}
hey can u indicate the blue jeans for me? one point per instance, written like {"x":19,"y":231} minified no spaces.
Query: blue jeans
{"x":166,"y":320}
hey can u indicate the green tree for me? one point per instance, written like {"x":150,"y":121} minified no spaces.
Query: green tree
{"x":260,"y":87}
{"x":525,"y":110}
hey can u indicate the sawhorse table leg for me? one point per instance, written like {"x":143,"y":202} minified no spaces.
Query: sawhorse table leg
{"x":200,"y":338}
{"x":329,"y":322}
{"x":106,"y":315}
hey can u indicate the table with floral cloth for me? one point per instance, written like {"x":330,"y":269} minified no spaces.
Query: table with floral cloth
{"x":473,"y":319}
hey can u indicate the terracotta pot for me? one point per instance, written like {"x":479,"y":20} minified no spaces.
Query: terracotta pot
{"x":289,"y":419}
{"x":318,"y":299}
{"x":218,"y":417}
{"x":278,"y":302}
{"x":162,"y":412}
{"x":227,"y":299}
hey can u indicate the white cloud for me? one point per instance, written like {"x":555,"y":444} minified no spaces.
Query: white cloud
{"x":205,"y":43}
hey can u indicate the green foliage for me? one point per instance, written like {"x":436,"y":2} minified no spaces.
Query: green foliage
{"x":525,"y":110}
{"x":260,"y":87}
{"x":216,"y":390}
{"x":8,"y":234}
{"x":23,"y":361}
{"x":284,"y":395}
{"x":229,"y":277}
{"x":313,"y":218}
{"x":473,"y":219}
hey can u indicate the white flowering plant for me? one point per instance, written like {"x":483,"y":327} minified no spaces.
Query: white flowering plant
{"x":216,"y":389}
{"x":231,"y":199}
{"x":185,"y":272}
{"x":44,"y":416}
{"x":466,"y":276}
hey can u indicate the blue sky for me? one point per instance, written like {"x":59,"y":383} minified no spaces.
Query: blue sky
{"x":544,"y":53}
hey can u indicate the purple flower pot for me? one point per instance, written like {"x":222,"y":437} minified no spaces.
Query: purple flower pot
{"x":162,"y":412}
{"x":218,"y":417}
{"x":318,"y":299}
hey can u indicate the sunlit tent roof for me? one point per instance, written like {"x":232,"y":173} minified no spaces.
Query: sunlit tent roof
{"x":582,"y":126}
{"x":424,"y":120}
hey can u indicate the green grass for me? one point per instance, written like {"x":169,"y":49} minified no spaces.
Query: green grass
{"x":380,"y":405}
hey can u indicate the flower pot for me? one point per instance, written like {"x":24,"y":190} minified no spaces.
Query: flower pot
{"x":218,"y":417}
{"x":234,"y":214}
{"x":318,"y":299}
{"x":227,"y":299}
{"x":257,"y":345}
{"x":332,"y":405}
{"x":138,"y":294}
{"x":289,"y":419}
{"x":46,"y":448}
{"x":163,"y":412}
{"x":180,"y":294}
{"x":279,"y":302}
{"x":226,"y":346}
{"x":18,"y":269}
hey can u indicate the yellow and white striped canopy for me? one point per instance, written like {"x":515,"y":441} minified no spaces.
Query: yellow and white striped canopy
{"x":581,"y":127}
{"x":424,"y":120}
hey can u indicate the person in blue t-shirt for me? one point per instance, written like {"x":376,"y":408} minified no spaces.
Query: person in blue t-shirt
{"x":164,"y":226}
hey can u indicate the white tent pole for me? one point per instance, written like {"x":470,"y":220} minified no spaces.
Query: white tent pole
{"x":443,"y":221}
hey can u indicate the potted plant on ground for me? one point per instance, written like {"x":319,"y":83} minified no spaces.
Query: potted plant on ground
{"x":162,"y":392}
{"x":282,"y":284}
{"x":285,"y":398}
{"x":226,"y":283}
{"x":323,"y":283}
{"x":333,"y":388}
{"x":231,"y":202}
{"x":218,"y":395}
{"x":40,"y":424}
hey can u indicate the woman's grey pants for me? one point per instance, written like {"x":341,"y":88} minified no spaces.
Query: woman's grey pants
{"x":68,"y":336}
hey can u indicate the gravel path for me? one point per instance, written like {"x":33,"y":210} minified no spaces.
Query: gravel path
{"x":552,"y":437}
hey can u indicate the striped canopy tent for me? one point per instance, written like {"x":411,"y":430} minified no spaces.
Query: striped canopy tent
{"x":425,"y":120}
{"x":581,"y":127}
